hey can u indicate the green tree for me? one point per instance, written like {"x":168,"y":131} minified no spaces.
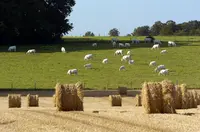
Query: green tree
{"x":141,"y":31}
{"x":89,"y":33}
{"x":114,"y":32}
{"x":156,"y":28}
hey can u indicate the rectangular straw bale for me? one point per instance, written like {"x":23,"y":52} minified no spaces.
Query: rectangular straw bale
{"x":138,"y":100}
{"x":185,"y":99}
{"x":14,"y":100}
{"x":32,"y":100}
{"x":152,"y":99}
{"x":195,"y":97}
{"x":168,"y":104}
{"x":178,"y":97}
{"x":122,"y":90}
{"x":115,"y":100}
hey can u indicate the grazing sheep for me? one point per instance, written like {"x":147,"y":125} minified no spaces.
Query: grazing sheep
{"x":63,"y":50}
{"x":88,"y":56}
{"x":94,"y":45}
{"x":127,"y":45}
{"x":160,"y":67}
{"x":114,"y":40}
{"x":31,"y":51}
{"x":12,"y":48}
{"x":152,"y":63}
{"x":171,"y":43}
{"x":72,"y":71}
{"x":155,"y":46}
{"x":135,"y":41}
{"x":147,"y":40}
{"x":122,"y":68}
{"x":118,"y":52}
{"x":88,"y":66}
{"x":131,"y":62}
{"x":164,"y":72}
{"x":121,"y":45}
{"x":105,"y":61}
{"x":114,"y":44}
{"x":163,"y":51}
{"x":129,"y":52}
{"x":126,"y":58}
{"x":157,"y":42}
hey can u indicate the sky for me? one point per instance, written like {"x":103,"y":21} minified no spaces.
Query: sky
{"x":99,"y":16}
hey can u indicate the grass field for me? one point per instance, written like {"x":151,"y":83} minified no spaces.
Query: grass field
{"x":49,"y":65}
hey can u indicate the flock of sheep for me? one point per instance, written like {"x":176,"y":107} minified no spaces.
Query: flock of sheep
{"x":127,"y":58}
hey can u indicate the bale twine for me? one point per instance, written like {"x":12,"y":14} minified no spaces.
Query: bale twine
{"x":32,"y":100}
{"x":14,"y":100}
{"x":138,"y":100}
{"x":152,"y":97}
{"x":195,"y":97}
{"x":122,"y":90}
{"x":168,"y":104}
{"x":185,"y":99}
{"x":115,"y":100}
{"x":178,"y":97}
{"x":79,"y":86}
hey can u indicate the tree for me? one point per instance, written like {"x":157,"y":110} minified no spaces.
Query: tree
{"x":114,"y":32}
{"x":128,"y":35}
{"x":89,"y":33}
{"x":34,"y":20}
{"x":156,"y":28}
{"x":141,"y":31}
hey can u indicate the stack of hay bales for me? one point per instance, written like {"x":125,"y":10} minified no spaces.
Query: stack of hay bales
{"x":122,"y":90}
{"x":138,"y":100}
{"x":178,"y":97}
{"x":69,"y":97}
{"x":185,"y":100}
{"x":32,"y":100}
{"x":115,"y":100}
{"x":14,"y":100}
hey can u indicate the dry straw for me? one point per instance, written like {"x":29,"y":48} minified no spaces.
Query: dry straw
{"x":54,"y":100}
{"x":195,"y":96}
{"x":122,"y":90}
{"x":152,"y":97}
{"x":198,"y":102}
{"x":32,"y":100}
{"x":138,"y":100}
{"x":14,"y":100}
{"x":168,"y":104}
{"x":69,"y":97}
{"x":115,"y":100}
{"x":178,"y":97}
{"x":185,"y":99}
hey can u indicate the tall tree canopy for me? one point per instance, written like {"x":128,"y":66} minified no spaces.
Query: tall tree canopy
{"x":114,"y":32}
{"x":34,"y":21}
{"x":89,"y":33}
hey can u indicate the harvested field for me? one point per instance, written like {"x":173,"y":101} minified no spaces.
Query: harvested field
{"x":127,"y":118}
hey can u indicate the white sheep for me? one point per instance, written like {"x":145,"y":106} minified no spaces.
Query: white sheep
{"x":127,"y":45}
{"x":105,"y":61}
{"x":121,"y":68}
{"x":12,"y":48}
{"x":135,"y":41}
{"x":164,"y":72}
{"x":121,"y":45}
{"x":171,"y":43}
{"x":163,"y":51}
{"x":63,"y":50}
{"x":160,"y":67}
{"x":88,"y":66}
{"x":126,"y":58}
{"x":114,"y":44}
{"x":147,"y":40}
{"x":88,"y":57}
{"x":157,"y":42}
{"x":30,"y":51}
{"x":152,"y":63}
{"x":114,"y":40}
{"x":94,"y":45}
{"x":72,"y":71}
{"x":131,"y":62}
{"x":155,"y":46}
{"x":129,"y":52}
{"x":118,"y":52}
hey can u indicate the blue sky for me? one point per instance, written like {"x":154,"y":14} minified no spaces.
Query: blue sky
{"x":99,"y":16}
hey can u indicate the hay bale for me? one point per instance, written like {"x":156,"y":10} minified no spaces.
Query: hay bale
{"x":115,"y":100}
{"x":152,"y":97}
{"x":14,"y":100}
{"x":122,"y":90}
{"x":178,"y":97}
{"x":185,"y":100}
{"x":190,"y":100}
{"x":168,"y":87}
{"x":168,"y":104}
{"x":138,"y":100}
{"x":54,"y":100}
{"x":79,"y":86}
{"x":32,"y":100}
{"x":68,"y":97}
{"x":195,"y":97}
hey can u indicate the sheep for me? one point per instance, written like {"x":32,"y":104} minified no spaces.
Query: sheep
{"x":131,"y":62}
{"x":114,"y":44}
{"x":31,"y":51}
{"x":105,"y":61}
{"x":114,"y":40}
{"x":126,"y":58}
{"x":163,"y":51}
{"x":94,"y":45}
{"x":88,"y":56}
{"x":155,"y":46}
{"x":122,"y":68}
{"x":118,"y":52}
{"x":135,"y":41}
{"x":147,"y":40}
{"x":129,"y":52}
{"x":160,"y":67}
{"x":88,"y":66}
{"x":152,"y":63}
{"x":127,"y":45}
{"x":121,"y":45}
{"x":164,"y":72}
{"x":171,"y":43}
{"x":72,"y":71}
{"x":63,"y":50}
{"x":157,"y":42}
{"x":12,"y":48}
